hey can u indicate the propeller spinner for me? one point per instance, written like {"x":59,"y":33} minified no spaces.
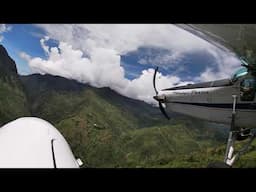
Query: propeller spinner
{"x":159,"y":98}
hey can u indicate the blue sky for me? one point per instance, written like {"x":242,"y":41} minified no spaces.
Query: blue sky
{"x":108,"y":50}
{"x":193,"y":64}
{"x":24,"y":38}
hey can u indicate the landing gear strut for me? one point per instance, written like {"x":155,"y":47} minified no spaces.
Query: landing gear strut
{"x":234,"y":135}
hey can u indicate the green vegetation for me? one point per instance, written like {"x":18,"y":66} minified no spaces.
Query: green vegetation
{"x":103,"y":146}
{"x":105,"y":129}
{"x":13,"y":101}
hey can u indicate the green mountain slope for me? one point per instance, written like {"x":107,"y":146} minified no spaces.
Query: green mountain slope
{"x":91,"y":119}
{"x":13,"y":101}
{"x":110,"y":146}
{"x":57,"y":98}
{"x":106,"y":129}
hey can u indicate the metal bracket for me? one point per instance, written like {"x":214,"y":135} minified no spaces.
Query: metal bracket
{"x":229,"y":158}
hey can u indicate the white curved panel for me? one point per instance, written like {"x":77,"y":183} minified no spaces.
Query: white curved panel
{"x":26,"y":143}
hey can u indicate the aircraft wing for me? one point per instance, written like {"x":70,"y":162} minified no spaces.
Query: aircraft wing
{"x":238,"y":38}
{"x":218,"y":83}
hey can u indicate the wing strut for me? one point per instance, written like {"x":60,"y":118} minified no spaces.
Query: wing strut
{"x":232,"y":136}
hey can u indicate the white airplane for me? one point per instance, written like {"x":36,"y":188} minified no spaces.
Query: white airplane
{"x":31,"y":142}
{"x":228,"y":101}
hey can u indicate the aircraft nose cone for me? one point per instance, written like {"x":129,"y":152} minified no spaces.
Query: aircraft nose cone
{"x":160,"y":98}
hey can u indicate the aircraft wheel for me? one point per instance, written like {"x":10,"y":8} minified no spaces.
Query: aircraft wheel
{"x":241,"y":138}
{"x":243,"y":135}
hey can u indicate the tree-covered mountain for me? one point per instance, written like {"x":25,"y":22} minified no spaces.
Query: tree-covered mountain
{"x":13,"y":101}
{"x":42,"y":88}
{"x":107,"y":129}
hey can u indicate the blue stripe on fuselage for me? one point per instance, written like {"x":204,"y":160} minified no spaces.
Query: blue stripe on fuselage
{"x":251,"y":106}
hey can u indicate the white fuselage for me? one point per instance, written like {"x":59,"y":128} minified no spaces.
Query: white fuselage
{"x":34,"y":143}
{"x":213,"y":104}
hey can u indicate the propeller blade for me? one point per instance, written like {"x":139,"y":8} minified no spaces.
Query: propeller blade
{"x":156,"y":98}
{"x":154,"y":80}
{"x":163,"y":110}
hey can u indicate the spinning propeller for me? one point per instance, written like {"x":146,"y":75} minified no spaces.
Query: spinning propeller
{"x":159,"y":98}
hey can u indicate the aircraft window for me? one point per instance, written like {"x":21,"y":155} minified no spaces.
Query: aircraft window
{"x":247,"y":89}
{"x":239,"y":73}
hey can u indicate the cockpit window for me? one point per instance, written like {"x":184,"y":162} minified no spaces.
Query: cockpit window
{"x":239,"y":73}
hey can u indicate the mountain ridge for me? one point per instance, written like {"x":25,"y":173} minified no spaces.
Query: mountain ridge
{"x":13,"y":100}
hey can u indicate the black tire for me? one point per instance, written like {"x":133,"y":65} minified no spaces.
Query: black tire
{"x":239,"y":137}
{"x":244,"y":134}
{"x":218,"y":165}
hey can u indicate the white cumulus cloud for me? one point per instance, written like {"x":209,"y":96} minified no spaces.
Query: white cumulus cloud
{"x":92,"y":54}
{"x":125,"y":37}
{"x":102,"y":69}
{"x":227,"y":64}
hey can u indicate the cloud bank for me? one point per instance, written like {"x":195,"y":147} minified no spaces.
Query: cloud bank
{"x":92,"y":54}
